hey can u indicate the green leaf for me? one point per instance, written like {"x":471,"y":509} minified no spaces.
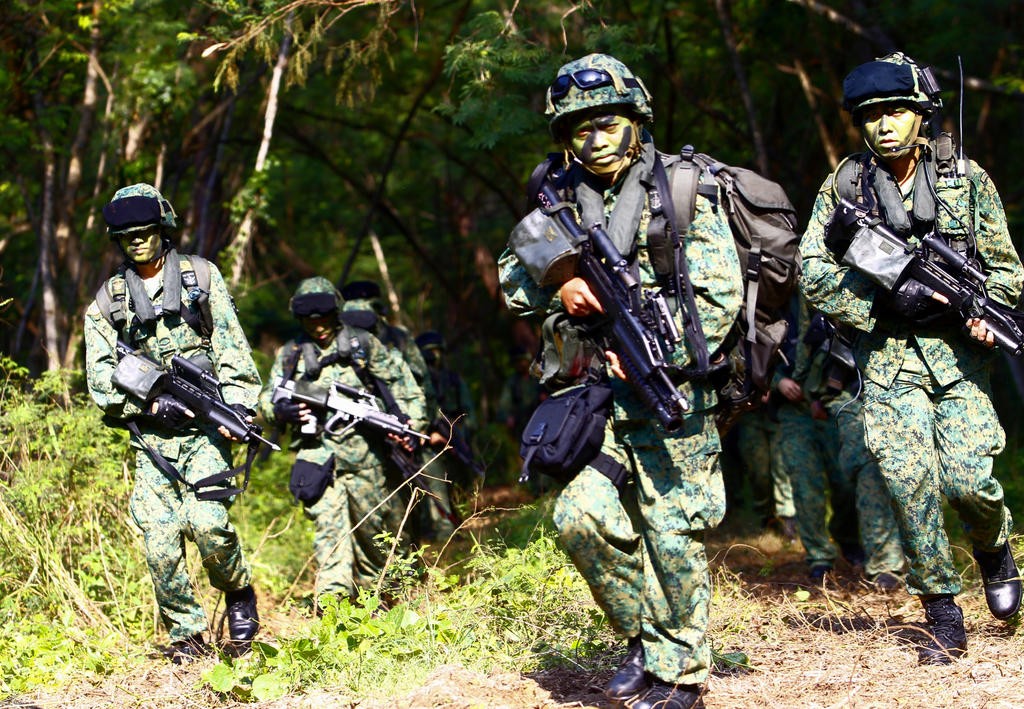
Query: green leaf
{"x":221,"y":678}
{"x":270,"y":686}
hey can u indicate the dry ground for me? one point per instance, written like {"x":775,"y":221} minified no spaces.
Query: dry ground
{"x":837,"y":645}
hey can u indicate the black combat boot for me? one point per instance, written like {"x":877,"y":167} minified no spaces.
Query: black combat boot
{"x":630,"y":680}
{"x":192,"y":648}
{"x":663,"y":695}
{"x":947,"y":640}
{"x":243,"y":620}
{"x":1001,"y":579}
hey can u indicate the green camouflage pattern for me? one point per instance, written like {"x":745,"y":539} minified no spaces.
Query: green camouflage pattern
{"x":166,"y":513}
{"x":359,"y":504}
{"x":638,"y":98}
{"x":829,"y":457}
{"x":926,"y":391}
{"x":641,"y":551}
{"x":759,"y":448}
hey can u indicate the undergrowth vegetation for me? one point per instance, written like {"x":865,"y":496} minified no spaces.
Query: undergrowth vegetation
{"x":76,"y":597}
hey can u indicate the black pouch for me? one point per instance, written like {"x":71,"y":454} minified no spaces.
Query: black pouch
{"x":309,"y":480}
{"x":565,"y":433}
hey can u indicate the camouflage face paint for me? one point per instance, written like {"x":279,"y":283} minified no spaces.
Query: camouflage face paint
{"x":602,"y":143}
{"x":321,"y":328}
{"x":142,"y":245}
{"x":886,"y":127}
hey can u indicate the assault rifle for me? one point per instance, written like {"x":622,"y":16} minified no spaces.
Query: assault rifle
{"x":191,"y":385}
{"x":640,"y":327}
{"x":345,"y":407}
{"x":891,"y":261}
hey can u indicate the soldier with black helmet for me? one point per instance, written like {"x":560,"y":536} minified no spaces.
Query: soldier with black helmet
{"x":927,"y":407}
{"x":166,"y":304}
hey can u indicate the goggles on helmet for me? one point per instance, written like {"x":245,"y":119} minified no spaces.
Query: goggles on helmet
{"x":313,"y":305}
{"x":586,"y":79}
{"x":132,"y":212}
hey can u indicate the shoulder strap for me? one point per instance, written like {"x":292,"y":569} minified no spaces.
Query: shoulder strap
{"x":683,"y":286}
{"x":111,"y":300}
{"x":195,"y":283}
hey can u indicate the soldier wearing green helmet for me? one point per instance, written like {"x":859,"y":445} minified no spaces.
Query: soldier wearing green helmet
{"x":640,"y":543}
{"x":927,"y":408}
{"x":166,"y":304}
{"x":353,"y":503}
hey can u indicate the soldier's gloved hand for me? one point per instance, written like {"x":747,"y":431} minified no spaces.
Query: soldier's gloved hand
{"x":915,"y":300}
{"x":287,"y":411}
{"x":168,"y":412}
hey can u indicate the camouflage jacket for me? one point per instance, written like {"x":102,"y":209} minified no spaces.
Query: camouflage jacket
{"x":712,"y":263}
{"x":226,"y":348}
{"x":849,"y":297}
{"x":350,"y":448}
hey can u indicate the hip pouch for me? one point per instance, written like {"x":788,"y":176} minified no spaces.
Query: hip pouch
{"x":309,"y":480}
{"x":565,"y":434}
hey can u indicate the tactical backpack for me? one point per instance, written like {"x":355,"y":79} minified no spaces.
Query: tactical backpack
{"x":763,"y":224}
{"x":195,"y":283}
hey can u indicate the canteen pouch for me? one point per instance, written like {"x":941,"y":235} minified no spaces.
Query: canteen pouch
{"x":309,"y":480}
{"x":543,"y":248}
{"x":565,"y":433}
{"x":138,"y":377}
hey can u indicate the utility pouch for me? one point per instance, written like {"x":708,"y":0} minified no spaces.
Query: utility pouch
{"x":569,"y":356}
{"x":543,"y":248}
{"x":138,"y":377}
{"x":309,"y":480}
{"x":880,"y":258}
{"x":565,"y":433}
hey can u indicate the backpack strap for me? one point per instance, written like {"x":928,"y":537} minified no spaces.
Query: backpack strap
{"x":195,"y":284}
{"x":112,"y":301}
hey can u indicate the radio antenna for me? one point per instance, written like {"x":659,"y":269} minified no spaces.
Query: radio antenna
{"x":960,"y":63}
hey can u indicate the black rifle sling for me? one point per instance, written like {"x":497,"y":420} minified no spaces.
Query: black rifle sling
{"x":683,"y":286}
{"x":172,"y":474}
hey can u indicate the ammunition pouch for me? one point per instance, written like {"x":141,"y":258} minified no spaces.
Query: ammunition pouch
{"x":570,"y":355}
{"x":543,"y":248}
{"x":137,"y":376}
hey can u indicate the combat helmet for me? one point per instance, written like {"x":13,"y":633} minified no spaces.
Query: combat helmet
{"x":363,"y":295}
{"x":893,"y":78}
{"x":136,"y":207}
{"x":591,"y":81}
{"x":315,"y":297}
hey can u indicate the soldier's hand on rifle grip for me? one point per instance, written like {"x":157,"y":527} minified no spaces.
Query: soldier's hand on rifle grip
{"x":246,"y":414}
{"x":980,"y":332}
{"x":578,"y":299}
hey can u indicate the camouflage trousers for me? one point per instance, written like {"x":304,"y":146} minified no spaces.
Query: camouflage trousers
{"x":876,"y":520}
{"x":641,"y":550}
{"x":350,"y":514}
{"x":168,"y":515}
{"x":809,"y":451}
{"x":932,"y":441}
{"x":758,"y":443}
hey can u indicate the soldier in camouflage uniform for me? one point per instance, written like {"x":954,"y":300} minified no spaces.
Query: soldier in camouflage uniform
{"x":162,"y":310}
{"x":640,"y":548}
{"x":352,"y":509}
{"x":822,"y":442}
{"x":759,"y":448}
{"x":364,"y":308}
{"x":928,"y":414}
{"x":455,"y":422}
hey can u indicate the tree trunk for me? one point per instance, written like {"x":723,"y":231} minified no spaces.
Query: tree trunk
{"x":385,"y":276}
{"x":47,"y":272}
{"x":725,"y":21}
{"x":242,"y":239}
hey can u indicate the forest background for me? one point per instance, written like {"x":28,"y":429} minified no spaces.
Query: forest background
{"x":373,"y":139}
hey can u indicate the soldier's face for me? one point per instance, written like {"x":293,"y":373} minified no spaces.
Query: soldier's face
{"x":889,"y":126}
{"x":141,"y":246}
{"x":602,"y":142}
{"x":321,"y":327}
